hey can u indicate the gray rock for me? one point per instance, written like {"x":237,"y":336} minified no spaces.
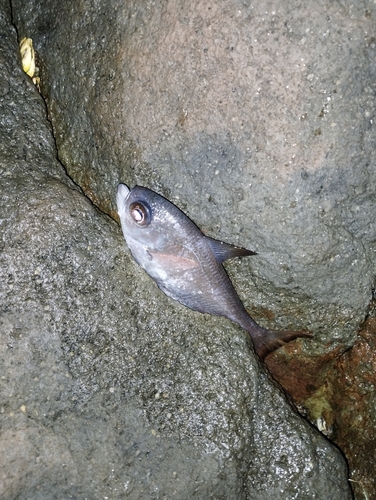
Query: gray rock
{"x":256,"y":118}
{"x":108,"y":388}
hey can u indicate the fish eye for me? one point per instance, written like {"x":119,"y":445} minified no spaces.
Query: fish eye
{"x":140,"y":213}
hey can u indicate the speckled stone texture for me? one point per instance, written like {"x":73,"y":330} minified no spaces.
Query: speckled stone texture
{"x":108,"y":389}
{"x":256,"y":118}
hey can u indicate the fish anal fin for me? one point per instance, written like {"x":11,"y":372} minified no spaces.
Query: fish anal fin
{"x":224,"y":251}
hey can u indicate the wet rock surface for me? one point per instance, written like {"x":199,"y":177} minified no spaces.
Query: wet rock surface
{"x":351,"y":404}
{"x":337,"y":393}
{"x":255,"y":118}
{"x":108,"y":388}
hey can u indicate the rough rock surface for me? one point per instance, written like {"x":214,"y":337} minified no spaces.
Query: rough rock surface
{"x":109,"y":389}
{"x":257,"y":118}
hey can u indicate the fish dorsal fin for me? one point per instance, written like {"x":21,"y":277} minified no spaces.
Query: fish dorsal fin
{"x":224,"y":251}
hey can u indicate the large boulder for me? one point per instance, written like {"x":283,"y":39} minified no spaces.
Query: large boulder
{"x":255,"y":118}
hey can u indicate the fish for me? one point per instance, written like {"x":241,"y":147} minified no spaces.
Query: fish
{"x":187,"y":265}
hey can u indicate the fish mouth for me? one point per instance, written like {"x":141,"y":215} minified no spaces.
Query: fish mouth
{"x":121,"y":196}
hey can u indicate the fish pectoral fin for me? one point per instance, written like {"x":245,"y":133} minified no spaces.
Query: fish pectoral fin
{"x":173,"y":261}
{"x":224,"y":251}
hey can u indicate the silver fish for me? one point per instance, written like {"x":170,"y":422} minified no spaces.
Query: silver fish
{"x":185,"y":264}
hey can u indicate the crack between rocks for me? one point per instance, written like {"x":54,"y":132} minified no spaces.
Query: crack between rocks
{"x":77,"y":186}
{"x":12,"y":17}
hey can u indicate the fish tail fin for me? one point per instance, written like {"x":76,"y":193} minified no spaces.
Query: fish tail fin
{"x":267,"y":341}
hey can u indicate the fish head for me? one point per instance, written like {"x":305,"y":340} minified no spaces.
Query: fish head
{"x":150,"y":223}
